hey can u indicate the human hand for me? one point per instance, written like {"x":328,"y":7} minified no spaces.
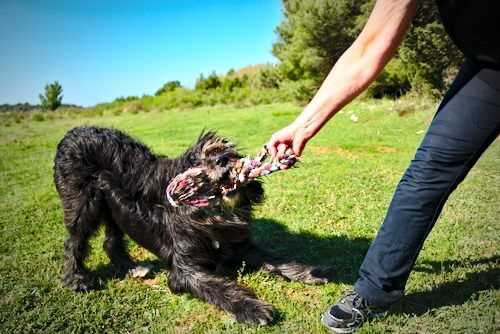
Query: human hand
{"x":292,"y":137}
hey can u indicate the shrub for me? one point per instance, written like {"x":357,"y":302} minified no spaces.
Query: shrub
{"x":392,"y":82}
{"x":117,"y":111}
{"x":210,"y":82}
{"x":300,"y":91}
{"x":169,"y":86}
{"x":38,"y":117}
{"x":134,"y":107}
{"x":269,"y":77}
{"x":413,"y":102}
{"x":229,"y":83}
{"x":126,"y":99}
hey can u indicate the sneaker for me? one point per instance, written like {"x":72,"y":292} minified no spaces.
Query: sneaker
{"x":349,"y":314}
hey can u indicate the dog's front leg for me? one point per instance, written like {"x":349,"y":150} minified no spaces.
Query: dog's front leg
{"x":226,"y":294}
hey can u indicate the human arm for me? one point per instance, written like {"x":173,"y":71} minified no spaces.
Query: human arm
{"x":354,"y":71}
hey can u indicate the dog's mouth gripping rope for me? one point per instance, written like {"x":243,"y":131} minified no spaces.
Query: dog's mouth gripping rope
{"x":194,"y":187}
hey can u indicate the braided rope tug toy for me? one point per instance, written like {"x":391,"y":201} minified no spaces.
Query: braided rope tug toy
{"x":194,"y":187}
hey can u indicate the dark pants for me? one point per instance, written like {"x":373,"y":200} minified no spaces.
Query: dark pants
{"x":466,"y":123}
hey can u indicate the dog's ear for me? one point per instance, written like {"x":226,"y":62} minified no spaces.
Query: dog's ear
{"x":216,"y":146}
{"x":209,"y":146}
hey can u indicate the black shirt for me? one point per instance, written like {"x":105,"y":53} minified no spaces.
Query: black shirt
{"x":474,"y":26}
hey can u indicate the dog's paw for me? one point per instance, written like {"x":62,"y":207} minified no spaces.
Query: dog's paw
{"x":140,"y":271}
{"x":78,"y":282}
{"x":255,"y":312}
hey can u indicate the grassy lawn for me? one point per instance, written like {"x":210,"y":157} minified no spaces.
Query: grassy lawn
{"x":324,"y":212}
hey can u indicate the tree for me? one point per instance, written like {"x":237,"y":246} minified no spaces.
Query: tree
{"x":169,"y":86}
{"x":313,"y":35}
{"x":52,"y":97}
{"x":427,"y":53}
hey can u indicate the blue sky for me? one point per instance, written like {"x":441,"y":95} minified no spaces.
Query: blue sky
{"x":101,"y":49}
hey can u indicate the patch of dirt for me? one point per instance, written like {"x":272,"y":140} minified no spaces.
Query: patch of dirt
{"x":319,"y":150}
{"x":150,"y":281}
{"x":386,"y":149}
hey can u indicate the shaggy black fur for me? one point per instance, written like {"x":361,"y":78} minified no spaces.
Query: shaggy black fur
{"x":105,"y":177}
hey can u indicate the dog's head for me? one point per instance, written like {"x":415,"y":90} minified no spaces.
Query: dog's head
{"x":213,"y":179}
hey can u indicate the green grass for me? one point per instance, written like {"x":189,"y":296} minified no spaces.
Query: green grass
{"x":325,"y":212}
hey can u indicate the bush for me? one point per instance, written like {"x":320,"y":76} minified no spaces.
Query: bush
{"x":269,"y":77}
{"x":134,"y":107}
{"x":210,"y":82}
{"x":38,"y":117}
{"x":169,"y":86}
{"x":126,"y":99}
{"x":300,"y":91}
{"x":229,"y":83}
{"x":392,"y":82}
{"x":413,"y":102}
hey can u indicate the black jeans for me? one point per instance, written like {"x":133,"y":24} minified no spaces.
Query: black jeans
{"x":467,"y":121}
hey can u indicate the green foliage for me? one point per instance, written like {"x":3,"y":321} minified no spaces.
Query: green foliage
{"x":313,"y":35}
{"x":300,"y":91}
{"x":392,"y":82}
{"x":211,"y":82}
{"x":126,"y":98}
{"x":269,"y":77}
{"x":427,"y":53}
{"x":230,"y":83}
{"x":38,"y":117}
{"x":169,"y":86}
{"x":17,"y":107}
{"x":134,"y":106}
{"x":52,"y":97}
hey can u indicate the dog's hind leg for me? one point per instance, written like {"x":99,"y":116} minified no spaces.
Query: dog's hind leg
{"x":82,"y":220}
{"x":115,"y":248}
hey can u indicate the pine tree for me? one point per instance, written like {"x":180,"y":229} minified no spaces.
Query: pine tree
{"x":52,"y":97}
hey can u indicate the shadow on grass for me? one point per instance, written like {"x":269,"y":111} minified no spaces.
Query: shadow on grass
{"x":106,"y":272}
{"x":345,"y":256}
{"x":454,"y":292}
{"x":342,"y":254}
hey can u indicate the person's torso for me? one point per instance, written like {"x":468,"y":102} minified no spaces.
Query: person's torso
{"x":474,"y":26}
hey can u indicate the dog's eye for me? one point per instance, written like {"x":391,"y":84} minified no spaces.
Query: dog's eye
{"x":222,"y":160}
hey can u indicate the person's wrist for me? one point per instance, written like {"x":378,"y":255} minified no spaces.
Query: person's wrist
{"x":306,"y":122}
{"x":303,"y":129}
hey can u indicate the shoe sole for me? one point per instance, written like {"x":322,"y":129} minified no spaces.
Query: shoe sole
{"x":338,"y":330}
{"x":352,"y":329}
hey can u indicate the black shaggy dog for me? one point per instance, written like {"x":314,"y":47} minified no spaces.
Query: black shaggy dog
{"x":105,"y":177}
